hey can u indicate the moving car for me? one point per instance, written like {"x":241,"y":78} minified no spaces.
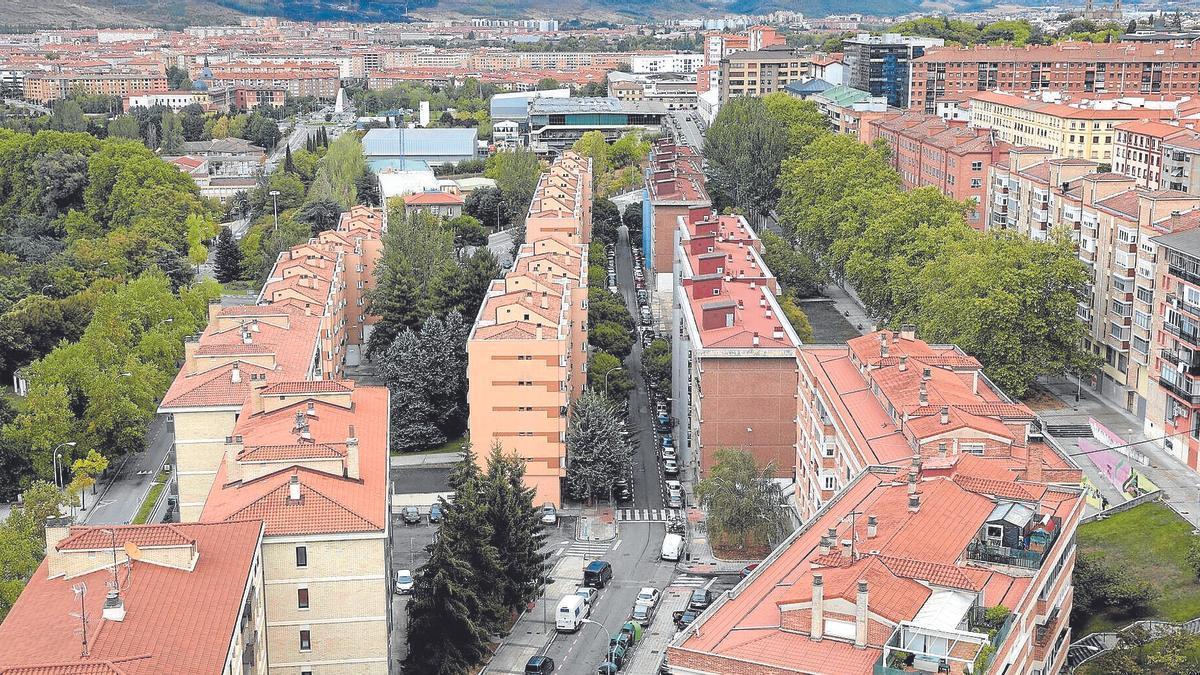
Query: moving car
{"x":549,"y":514}
{"x":589,"y":595}
{"x":597,"y":574}
{"x":435,"y":513}
{"x":672,"y":549}
{"x":701,"y":599}
{"x":539,"y":665}
{"x":648,"y":595}
{"x":404,"y":582}
{"x":571,"y":612}
{"x":411,"y":515}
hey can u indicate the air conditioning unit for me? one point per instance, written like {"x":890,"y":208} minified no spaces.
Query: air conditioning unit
{"x":1178,"y":411}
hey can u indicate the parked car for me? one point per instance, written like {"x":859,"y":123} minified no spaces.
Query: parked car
{"x":622,"y":491}
{"x":571,"y":612}
{"x":539,"y":665}
{"x":701,"y":599}
{"x":642,"y":614}
{"x":675,"y":500}
{"x":411,"y":515}
{"x":670,"y":467}
{"x":597,"y":574}
{"x":549,"y":514}
{"x":668,"y":441}
{"x":623,"y":640}
{"x":748,"y":569}
{"x":589,"y":595}
{"x":684,"y":618}
{"x":404,"y":582}
{"x":648,"y":595}
{"x":669,"y":453}
{"x":435,"y":513}
{"x":607,"y":668}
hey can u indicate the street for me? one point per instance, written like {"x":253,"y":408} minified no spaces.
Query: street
{"x":119,"y":499}
{"x":687,"y":128}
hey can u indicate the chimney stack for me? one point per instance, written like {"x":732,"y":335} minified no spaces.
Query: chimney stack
{"x":883,"y":345}
{"x":923,"y":395}
{"x":912,"y":483}
{"x":825,"y":545}
{"x":352,"y":460}
{"x":114,"y":606}
{"x":294,"y":489}
{"x":903,"y":364}
{"x":1033,"y":468}
{"x":872,"y":526}
{"x":914,"y":503}
{"x":818,"y":607}
{"x":945,"y":414}
{"x":832,"y":535}
{"x":908,"y":331}
{"x":848,"y":547}
{"x":926,"y":374}
{"x":860,"y":616}
{"x":235,"y":375}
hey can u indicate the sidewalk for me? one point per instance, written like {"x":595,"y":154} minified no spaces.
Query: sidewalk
{"x":1180,"y":485}
{"x":596,"y":524}
{"x":436,"y":459}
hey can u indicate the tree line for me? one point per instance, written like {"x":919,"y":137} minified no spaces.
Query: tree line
{"x":911,"y":256}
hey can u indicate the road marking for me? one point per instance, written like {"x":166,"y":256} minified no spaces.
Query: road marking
{"x":617,"y":545}
{"x":559,"y":552}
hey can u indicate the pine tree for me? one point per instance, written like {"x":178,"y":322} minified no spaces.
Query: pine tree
{"x":444,"y":344}
{"x":597,"y":454}
{"x":228,"y":258}
{"x":444,"y":635}
{"x":517,"y":531}
{"x":406,"y":370}
{"x":288,"y":165}
{"x":466,"y":524}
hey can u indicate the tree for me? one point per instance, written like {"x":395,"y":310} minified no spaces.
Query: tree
{"x":606,"y":218}
{"x":744,"y":148}
{"x":629,"y":150}
{"x":413,"y":414}
{"x":796,"y":271}
{"x":1101,"y":587}
{"x":632,"y":219}
{"x":260,"y":130}
{"x":344,"y":164}
{"x":172,"y":134}
{"x":1132,"y":27}
{"x":192,"y":118}
{"x":516,"y":173}
{"x":802,"y":119}
{"x":796,"y":317}
{"x":320,"y":215}
{"x":656,"y":364}
{"x":612,"y":338}
{"x":67,"y":116}
{"x":445,"y":635}
{"x":607,"y":376}
{"x":547,"y":83}
{"x":23,"y":539}
{"x":597,"y":454}
{"x":288,"y":165}
{"x":123,"y":126}
{"x":516,"y":525}
{"x":468,"y":231}
{"x":177,"y":78}
{"x":367,"y":188}
{"x":228,"y":261}
{"x":744,"y":503}
{"x":417,"y":252}
{"x":592,"y":144}
{"x":487,"y":205}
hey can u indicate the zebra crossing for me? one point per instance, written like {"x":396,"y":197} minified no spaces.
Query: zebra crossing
{"x":648,"y":515}
{"x":588,"y":549}
{"x":689,"y":581}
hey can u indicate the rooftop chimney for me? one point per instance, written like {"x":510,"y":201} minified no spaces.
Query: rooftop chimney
{"x":114,"y":606}
{"x":912,"y":483}
{"x":923,"y":395}
{"x":903,"y":364}
{"x":908,"y":331}
{"x":254,"y":326}
{"x":914,"y":503}
{"x":235,"y":375}
{"x":848,"y":547}
{"x":57,"y":529}
{"x":945,"y":414}
{"x":294,"y":489}
{"x":872,"y":527}
{"x":926,"y":374}
{"x":860,"y":616}
{"x":883,"y":345}
{"x":832,"y":534}
{"x":352,"y":468}
{"x":818,"y":607}
{"x":825,"y":545}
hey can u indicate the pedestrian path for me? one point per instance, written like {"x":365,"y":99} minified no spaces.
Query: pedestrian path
{"x":690,"y":581}
{"x":648,"y":515}
{"x":588,"y":549}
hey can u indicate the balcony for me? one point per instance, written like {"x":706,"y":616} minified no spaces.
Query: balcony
{"x":1028,"y":550}
{"x":1182,"y":305}
{"x":913,"y":648}
{"x":1189,"y":360}
{"x":1189,"y":333}
{"x":1185,"y":390}
{"x":1181,"y":273}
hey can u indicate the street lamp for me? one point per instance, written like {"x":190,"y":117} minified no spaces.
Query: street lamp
{"x":610,"y":372}
{"x":43,"y":291}
{"x":612,"y":648}
{"x":56,"y":453}
{"x":275,"y":200}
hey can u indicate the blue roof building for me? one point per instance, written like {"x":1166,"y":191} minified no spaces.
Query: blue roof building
{"x":387,"y":147}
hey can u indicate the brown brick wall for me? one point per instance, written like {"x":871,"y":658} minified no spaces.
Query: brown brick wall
{"x":755,"y":393}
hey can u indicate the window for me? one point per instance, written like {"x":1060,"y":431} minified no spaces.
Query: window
{"x":977,"y":166}
{"x":302,"y":598}
{"x":972,"y":448}
{"x":306,"y":640}
{"x":301,"y":556}
{"x":995,"y":534}
{"x":829,"y":482}
{"x":976,"y":182}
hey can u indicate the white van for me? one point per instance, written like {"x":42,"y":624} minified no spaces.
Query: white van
{"x":672,"y":547}
{"x":572,"y":610}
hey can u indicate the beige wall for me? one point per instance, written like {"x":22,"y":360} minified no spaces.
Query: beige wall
{"x":349,"y":598}
{"x":199,"y":447}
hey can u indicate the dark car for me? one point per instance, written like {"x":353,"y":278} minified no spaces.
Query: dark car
{"x":411,"y":515}
{"x":701,"y":599}
{"x":622,"y":491}
{"x":748,"y":569}
{"x":607,"y":668}
{"x":435,"y":513}
{"x":539,"y":665}
{"x":685,"y":618}
{"x":597,"y":574}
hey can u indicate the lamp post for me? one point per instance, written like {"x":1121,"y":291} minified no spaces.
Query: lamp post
{"x":43,"y":291}
{"x":56,"y":453}
{"x":612,"y":648}
{"x":275,"y":201}
{"x":610,"y":372}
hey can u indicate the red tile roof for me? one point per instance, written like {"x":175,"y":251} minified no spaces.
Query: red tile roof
{"x":177,"y":621}
{"x":88,"y":538}
{"x":432,"y":198}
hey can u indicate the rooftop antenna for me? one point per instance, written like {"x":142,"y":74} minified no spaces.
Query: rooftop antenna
{"x":80,"y":590}
{"x":115,"y":584}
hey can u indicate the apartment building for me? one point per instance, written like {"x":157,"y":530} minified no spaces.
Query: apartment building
{"x":1113,"y":221}
{"x":666,"y":63}
{"x":849,"y":110}
{"x":1138,"y":150}
{"x":434,"y":202}
{"x":733,"y":370}
{"x":1177,"y":329}
{"x":309,"y":459}
{"x":187,"y":598}
{"x":527,"y":349}
{"x":885,"y":397}
{"x":1084,"y":129}
{"x":1075,"y":68}
{"x":359,"y":240}
{"x":175,"y":100}
{"x":896,"y":575}
{"x":946,"y":154}
{"x":556,"y":123}
{"x":674,"y":187}
{"x":760,"y":72}
{"x":882,"y":64}
{"x":47,"y":87}
{"x":717,"y":46}
{"x":229,"y":157}
{"x":1181,"y":163}
{"x":297,"y":79}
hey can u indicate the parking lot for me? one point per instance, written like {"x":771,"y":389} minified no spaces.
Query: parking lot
{"x":408,"y":553}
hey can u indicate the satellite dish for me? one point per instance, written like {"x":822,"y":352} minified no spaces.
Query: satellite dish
{"x":132,"y":550}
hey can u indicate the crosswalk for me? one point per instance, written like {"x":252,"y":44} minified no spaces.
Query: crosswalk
{"x":689,"y":581}
{"x":648,"y":515}
{"x":588,"y":549}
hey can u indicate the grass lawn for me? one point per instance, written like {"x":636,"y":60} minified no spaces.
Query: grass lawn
{"x":453,"y":445}
{"x":151,"y":498}
{"x":1150,"y":542}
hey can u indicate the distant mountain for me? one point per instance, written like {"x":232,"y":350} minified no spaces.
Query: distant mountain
{"x":43,"y":14}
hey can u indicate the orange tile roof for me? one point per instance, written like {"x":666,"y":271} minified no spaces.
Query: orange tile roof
{"x":432,"y":198}
{"x":87,"y":538}
{"x":213,"y":387}
{"x":176,"y":621}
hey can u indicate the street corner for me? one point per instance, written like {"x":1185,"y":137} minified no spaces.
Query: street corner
{"x":694,"y":515}
{"x":606,"y":516}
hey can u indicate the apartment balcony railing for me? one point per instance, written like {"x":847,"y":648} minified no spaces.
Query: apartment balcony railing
{"x":1182,"y":305}
{"x":1187,"y":390}
{"x":1189,"y":360}
{"x":1189,"y":333}
{"x":1181,"y":273}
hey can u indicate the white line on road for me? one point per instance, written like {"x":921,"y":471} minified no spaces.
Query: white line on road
{"x":559,"y":552}
{"x":617,"y":545}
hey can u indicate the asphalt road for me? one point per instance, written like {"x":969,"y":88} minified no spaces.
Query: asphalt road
{"x":687,"y":130}
{"x":119,"y":501}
